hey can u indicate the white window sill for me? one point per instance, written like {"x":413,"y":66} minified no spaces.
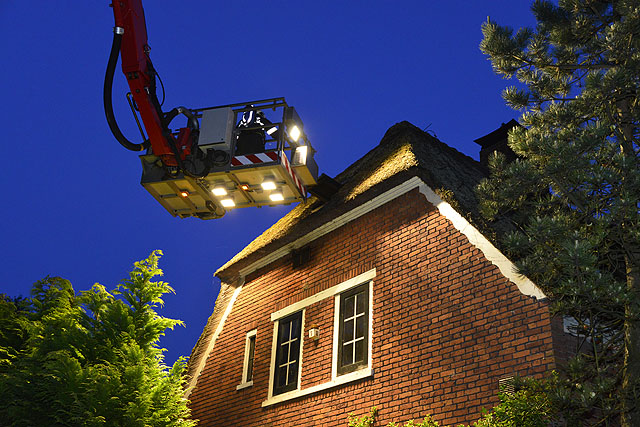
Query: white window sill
{"x":343,"y":379}
{"x":244,"y":385}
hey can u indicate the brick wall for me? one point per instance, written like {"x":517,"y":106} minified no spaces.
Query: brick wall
{"x":446,"y":327}
{"x":222,"y":300}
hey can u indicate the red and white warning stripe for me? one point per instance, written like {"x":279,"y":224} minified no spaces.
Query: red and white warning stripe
{"x":285,"y":163}
{"x":254,"y":159}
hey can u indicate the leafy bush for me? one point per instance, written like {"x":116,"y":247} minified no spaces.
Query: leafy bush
{"x":528,"y":406}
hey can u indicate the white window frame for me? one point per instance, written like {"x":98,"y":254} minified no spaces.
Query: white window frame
{"x":272,"y":370}
{"x":362,"y":372}
{"x":245,"y":366}
{"x":334,"y":292}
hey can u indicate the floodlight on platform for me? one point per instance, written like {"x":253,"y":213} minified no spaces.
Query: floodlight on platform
{"x":184,"y":194}
{"x":293,"y":123}
{"x":276,"y":197}
{"x":300,"y":155}
{"x":295,"y":133}
{"x":219,"y":191}
{"x":228,"y":203}
{"x":268,"y":184}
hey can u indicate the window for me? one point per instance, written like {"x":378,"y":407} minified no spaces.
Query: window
{"x":251,"y":350}
{"x":287,"y":361}
{"x":353,"y":330}
{"x":247,"y":367}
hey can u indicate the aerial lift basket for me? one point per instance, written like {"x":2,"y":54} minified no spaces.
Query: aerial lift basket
{"x":269,"y":161}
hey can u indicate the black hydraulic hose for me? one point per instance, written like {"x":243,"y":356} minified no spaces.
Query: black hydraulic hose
{"x":108,"y":102}
{"x":181,"y":164}
{"x":193,"y":121}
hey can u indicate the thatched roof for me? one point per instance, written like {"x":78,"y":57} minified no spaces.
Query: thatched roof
{"x":403,"y":152}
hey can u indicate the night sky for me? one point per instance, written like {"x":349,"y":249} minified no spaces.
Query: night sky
{"x":73,"y":204}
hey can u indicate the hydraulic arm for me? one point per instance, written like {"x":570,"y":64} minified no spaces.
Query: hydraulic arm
{"x":130,"y":42}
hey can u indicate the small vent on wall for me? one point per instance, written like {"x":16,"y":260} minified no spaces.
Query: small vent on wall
{"x":507,"y":385}
{"x":301,"y":256}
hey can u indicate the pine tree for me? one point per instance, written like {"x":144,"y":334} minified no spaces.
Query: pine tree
{"x":573,"y":194}
{"x":92,"y":358}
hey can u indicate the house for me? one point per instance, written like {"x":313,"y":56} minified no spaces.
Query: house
{"x":385,"y":290}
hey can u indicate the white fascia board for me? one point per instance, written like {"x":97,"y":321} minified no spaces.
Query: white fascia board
{"x":506,"y":267}
{"x":212,"y":342}
{"x":334,"y":224}
{"x":497,"y":258}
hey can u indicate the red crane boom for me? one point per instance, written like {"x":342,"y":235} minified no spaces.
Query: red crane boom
{"x":130,"y":40}
{"x":239,"y":159}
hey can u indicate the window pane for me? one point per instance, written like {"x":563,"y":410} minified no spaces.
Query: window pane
{"x":295,"y":350}
{"x":252,"y":347}
{"x":283,"y":352}
{"x":282,"y":376}
{"x":347,"y":354}
{"x":361,"y":326}
{"x":361,"y":299}
{"x":348,"y":331}
{"x":293,"y":373}
{"x":359,"y":351}
{"x":348,"y":306}
{"x":284,"y":330}
{"x":295,"y":327}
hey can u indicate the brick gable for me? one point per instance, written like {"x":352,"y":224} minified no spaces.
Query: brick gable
{"x":447,"y":325}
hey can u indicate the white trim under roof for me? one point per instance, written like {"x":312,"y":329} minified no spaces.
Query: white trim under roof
{"x":334,"y":224}
{"x":203,"y":358}
{"x":497,"y":258}
{"x":506,"y":267}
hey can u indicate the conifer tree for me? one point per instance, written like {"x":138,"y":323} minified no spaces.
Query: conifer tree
{"x":92,"y":358}
{"x":573,"y":194}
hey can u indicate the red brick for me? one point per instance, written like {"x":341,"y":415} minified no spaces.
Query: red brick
{"x":446,"y":327}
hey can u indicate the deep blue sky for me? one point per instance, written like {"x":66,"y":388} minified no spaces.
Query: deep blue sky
{"x":73,"y":205}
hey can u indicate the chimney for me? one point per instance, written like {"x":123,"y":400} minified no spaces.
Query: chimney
{"x":496,"y":141}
